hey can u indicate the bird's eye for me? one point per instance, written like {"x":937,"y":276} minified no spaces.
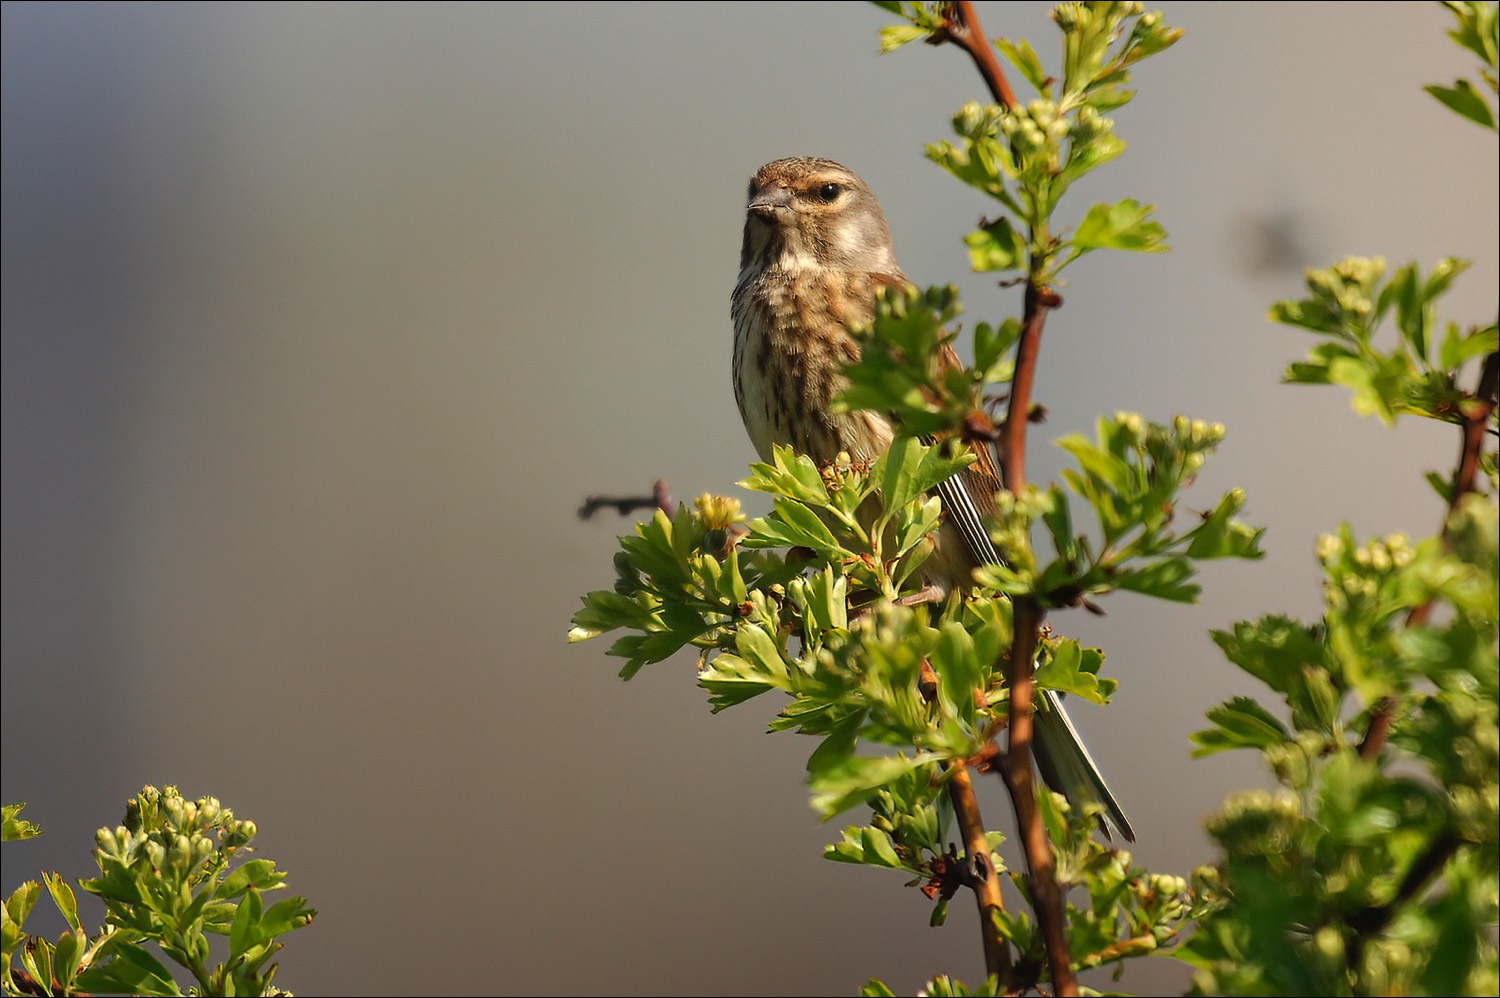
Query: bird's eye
{"x":829,"y":192}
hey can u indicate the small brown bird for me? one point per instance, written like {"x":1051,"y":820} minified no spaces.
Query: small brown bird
{"x":816,"y":249}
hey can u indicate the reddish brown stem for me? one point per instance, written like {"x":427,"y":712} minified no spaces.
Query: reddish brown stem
{"x":963,"y":29}
{"x":1476,"y":418}
{"x":1476,"y":421}
{"x":1020,"y":780}
{"x":986,"y":879}
{"x":1013,"y":453}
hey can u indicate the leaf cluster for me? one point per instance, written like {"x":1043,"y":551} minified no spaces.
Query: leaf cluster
{"x":174,"y":873}
{"x":1477,"y":30}
{"x":1373,"y":868}
{"x":1129,"y":477}
{"x":1348,"y":303}
{"x":1026,"y":157}
{"x":1351,"y":844}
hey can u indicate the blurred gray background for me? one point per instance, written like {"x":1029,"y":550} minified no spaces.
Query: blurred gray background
{"x":321,"y":320}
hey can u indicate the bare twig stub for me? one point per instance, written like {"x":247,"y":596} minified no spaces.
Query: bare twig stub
{"x":660,"y":498}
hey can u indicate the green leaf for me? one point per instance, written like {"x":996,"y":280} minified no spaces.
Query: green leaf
{"x":22,"y":900}
{"x":63,"y":897}
{"x":245,"y":932}
{"x":991,"y":344}
{"x":605,"y":610}
{"x":997,"y":246}
{"x":731,"y":680}
{"x":1165,"y":578}
{"x":838,"y":745}
{"x":1240,"y":723}
{"x":1066,"y":669}
{"x":853,"y":779}
{"x":1222,"y":536}
{"x":129,"y":969}
{"x":67,"y":958}
{"x":893,"y":36}
{"x":1273,"y":649}
{"x":789,"y":474}
{"x":1021,"y":55}
{"x":260,"y":874}
{"x":1466,"y":101}
{"x":1124,"y":225}
{"x":36,"y":957}
{"x":13,"y":828}
{"x":286,"y":915}
{"x":867,"y":847}
{"x":760,"y":650}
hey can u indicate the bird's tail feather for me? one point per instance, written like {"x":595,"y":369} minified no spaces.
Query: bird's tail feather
{"x":1067,"y":766}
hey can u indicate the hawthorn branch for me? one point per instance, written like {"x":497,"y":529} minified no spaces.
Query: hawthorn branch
{"x":1020,"y":779}
{"x":982,"y":876}
{"x":985,"y":878}
{"x":1476,"y":412}
{"x":962,"y":28}
{"x":1372,"y":921}
{"x":1017,"y":417}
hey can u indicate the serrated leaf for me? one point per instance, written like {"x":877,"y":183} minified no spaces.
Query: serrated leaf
{"x":1020,"y":54}
{"x":893,"y":36}
{"x":67,"y":957}
{"x":1239,"y":723}
{"x":838,"y":745}
{"x":13,"y":828}
{"x":245,"y":931}
{"x":1124,"y":225}
{"x":1063,"y":670}
{"x":128,"y":969}
{"x":853,"y":779}
{"x":1165,"y":578}
{"x":63,"y":897}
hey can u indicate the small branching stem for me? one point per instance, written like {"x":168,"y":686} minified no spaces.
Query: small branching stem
{"x":962,"y":29}
{"x":986,"y":879}
{"x":660,"y":498}
{"x":1020,"y":779}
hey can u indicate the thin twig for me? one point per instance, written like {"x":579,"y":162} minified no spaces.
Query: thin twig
{"x":1017,"y":416}
{"x":962,"y":29}
{"x":1368,"y":922}
{"x":982,"y":876}
{"x":1016,"y":770}
{"x":1476,"y":417}
{"x":660,"y":498}
{"x":985,"y":878}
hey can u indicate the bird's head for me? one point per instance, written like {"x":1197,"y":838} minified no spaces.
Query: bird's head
{"x":813,"y":213}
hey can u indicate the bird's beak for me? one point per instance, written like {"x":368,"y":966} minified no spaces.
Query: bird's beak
{"x":770,"y":201}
